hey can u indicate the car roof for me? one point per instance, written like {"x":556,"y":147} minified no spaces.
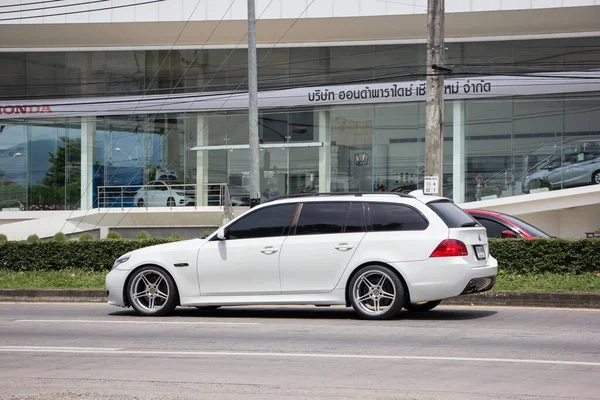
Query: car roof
{"x":356,"y":196}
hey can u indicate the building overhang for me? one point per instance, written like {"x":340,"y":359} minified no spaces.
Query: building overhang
{"x":556,"y":200}
{"x":466,"y":26}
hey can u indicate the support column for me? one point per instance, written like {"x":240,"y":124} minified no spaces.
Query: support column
{"x":88,"y":138}
{"x":458,"y":138}
{"x":324,"y":135}
{"x":202,"y":161}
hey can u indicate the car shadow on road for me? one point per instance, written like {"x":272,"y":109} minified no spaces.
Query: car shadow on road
{"x":333,"y":313}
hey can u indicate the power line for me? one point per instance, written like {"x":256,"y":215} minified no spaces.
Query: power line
{"x":51,"y":7}
{"x":82,"y":11}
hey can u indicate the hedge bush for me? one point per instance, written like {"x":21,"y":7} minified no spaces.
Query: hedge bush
{"x":514,"y":255}
{"x":97,"y":255}
{"x":547,"y":255}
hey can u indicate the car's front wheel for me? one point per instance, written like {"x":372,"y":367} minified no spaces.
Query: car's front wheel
{"x":422,"y":307}
{"x":152,"y":292}
{"x":376,"y":293}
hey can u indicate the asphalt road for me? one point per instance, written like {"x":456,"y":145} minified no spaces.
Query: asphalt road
{"x":91,"y":351}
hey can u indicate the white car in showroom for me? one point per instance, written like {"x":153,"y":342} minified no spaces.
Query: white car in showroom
{"x":376,"y":252}
{"x":162,"y":193}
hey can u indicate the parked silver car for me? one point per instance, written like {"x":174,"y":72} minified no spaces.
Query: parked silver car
{"x":576,"y":169}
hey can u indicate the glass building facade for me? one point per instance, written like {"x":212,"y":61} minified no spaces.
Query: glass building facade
{"x":493,"y":147}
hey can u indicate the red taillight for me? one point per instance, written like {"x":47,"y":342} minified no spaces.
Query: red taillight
{"x":450,"y":248}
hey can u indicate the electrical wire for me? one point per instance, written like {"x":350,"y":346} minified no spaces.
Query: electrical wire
{"x":82,"y":11}
{"x":51,"y":7}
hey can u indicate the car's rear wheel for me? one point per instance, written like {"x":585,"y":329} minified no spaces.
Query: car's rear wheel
{"x":170,"y":202}
{"x":152,"y":292}
{"x":422,"y":307}
{"x":596,"y":178}
{"x":376,"y":293}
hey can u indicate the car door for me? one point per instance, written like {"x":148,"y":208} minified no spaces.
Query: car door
{"x":247,"y":261}
{"x":321,"y":245}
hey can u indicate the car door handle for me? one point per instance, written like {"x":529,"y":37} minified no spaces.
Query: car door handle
{"x":269,"y":250}
{"x":343,"y":247}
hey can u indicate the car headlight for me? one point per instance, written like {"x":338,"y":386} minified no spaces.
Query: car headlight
{"x":120,"y":261}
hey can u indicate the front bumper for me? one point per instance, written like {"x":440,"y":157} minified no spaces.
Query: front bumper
{"x":115,"y":282}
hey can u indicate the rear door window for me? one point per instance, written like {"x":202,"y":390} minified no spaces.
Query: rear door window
{"x":322,"y":218}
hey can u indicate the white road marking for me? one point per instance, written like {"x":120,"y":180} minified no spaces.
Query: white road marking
{"x":93,"y":350}
{"x":54,"y":348}
{"x":145,"y":322}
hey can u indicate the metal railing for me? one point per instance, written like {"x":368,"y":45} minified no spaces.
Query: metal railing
{"x":166,"y":195}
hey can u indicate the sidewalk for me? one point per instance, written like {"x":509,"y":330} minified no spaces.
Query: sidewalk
{"x":520,"y":299}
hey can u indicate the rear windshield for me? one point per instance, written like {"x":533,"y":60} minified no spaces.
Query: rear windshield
{"x":452,"y":215}
{"x":524,"y":225}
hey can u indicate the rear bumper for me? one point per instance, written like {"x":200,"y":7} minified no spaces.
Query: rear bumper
{"x":478,"y":285}
{"x":437,"y":279}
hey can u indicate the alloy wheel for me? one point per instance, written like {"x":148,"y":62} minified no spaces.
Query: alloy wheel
{"x":374,"y":292}
{"x":149,"y":291}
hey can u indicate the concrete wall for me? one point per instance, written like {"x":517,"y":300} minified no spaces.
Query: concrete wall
{"x":570,"y":223}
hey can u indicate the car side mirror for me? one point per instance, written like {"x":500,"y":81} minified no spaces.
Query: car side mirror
{"x":508,"y":234}
{"x":221,"y":235}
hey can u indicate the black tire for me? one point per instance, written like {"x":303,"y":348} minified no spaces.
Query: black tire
{"x":208,"y":308}
{"x":152,"y":292}
{"x":423,"y":307}
{"x":170,"y":202}
{"x":140,"y":203}
{"x":596,"y":178}
{"x":378,"y":293}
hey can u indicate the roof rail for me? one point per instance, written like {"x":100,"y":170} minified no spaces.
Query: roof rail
{"x":355,"y":194}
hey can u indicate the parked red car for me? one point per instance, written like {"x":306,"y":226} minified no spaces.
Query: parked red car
{"x":500,"y":225}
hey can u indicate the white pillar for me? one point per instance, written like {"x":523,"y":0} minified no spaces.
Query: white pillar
{"x":324,"y":135}
{"x":458,"y":143}
{"x":202,"y":160}
{"x":88,"y":138}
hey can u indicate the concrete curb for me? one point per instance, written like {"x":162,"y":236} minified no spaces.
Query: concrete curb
{"x":522,"y":299}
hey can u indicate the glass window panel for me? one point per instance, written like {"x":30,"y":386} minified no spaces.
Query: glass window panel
{"x":126,"y":71}
{"x":14,"y":160}
{"x":393,"y":217}
{"x":351,"y":64}
{"x":399,"y":147}
{"x":352,"y":149}
{"x":267,"y":222}
{"x":13,"y":76}
{"x":355,"y":221}
{"x":322,"y":218}
{"x":309,"y":66}
{"x":46,"y":74}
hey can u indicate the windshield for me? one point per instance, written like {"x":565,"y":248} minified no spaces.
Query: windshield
{"x":452,"y":215}
{"x":175,"y":185}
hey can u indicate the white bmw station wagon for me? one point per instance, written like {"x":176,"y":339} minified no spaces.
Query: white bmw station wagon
{"x":376,"y":252}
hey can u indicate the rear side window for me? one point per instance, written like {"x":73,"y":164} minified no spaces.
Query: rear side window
{"x":396,"y":217}
{"x":322,"y":218}
{"x":452,"y":215}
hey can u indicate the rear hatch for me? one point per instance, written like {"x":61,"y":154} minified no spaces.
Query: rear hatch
{"x":464,"y":228}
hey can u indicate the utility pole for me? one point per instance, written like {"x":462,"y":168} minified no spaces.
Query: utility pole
{"x":434,"y":132}
{"x":253,"y":107}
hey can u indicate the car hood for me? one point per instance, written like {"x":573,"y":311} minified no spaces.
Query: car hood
{"x":168,"y":247}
